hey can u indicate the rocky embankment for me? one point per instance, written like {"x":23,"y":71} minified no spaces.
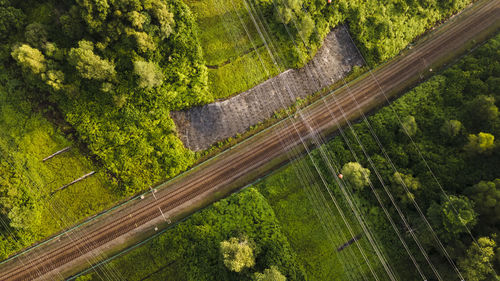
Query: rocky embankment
{"x":200,"y":127}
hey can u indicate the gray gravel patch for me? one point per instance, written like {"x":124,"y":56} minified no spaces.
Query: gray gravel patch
{"x":200,"y":127}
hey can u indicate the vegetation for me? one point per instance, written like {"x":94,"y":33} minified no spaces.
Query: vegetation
{"x":237,"y":253}
{"x":302,"y":220}
{"x":477,"y":263}
{"x":106,"y":74}
{"x":269,"y":274}
{"x":295,"y":29}
{"x":30,"y":206}
{"x":357,"y":176}
{"x":461,"y":160}
{"x":115,"y":69}
{"x":469,"y":181}
{"x":241,"y":228}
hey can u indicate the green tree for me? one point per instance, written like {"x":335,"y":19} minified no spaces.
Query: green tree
{"x":451,"y":128}
{"x":88,"y":64}
{"x":164,"y":16}
{"x":482,"y":109}
{"x":36,"y":35}
{"x":237,"y":253}
{"x":143,"y":41}
{"x":486,"y":195}
{"x":94,"y":12}
{"x":399,"y":181}
{"x":150,"y":75}
{"x":409,"y":125}
{"x":477,"y":263}
{"x":356,"y":175}
{"x":287,"y":9}
{"x":29,"y":58}
{"x":452,"y":217}
{"x":11,"y":19}
{"x":269,"y":274}
{"x":137,"y":19}
{"x":482,"y":143}
{"x":306,"y":27}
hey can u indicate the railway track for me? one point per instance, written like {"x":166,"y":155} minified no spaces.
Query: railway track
{"x":363,"y":95}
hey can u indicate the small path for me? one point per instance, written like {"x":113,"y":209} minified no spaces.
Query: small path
{"x":200,"y":127}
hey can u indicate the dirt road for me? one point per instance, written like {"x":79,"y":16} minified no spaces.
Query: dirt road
{"x":210,"y":180}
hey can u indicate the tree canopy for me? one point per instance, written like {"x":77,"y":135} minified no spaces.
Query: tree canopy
{"x":486,"y":195}
{"x":356,"y":175}
{"x":237,"y":253}
{"x":454,"y":216}
{"x":477,"y":263}
{"x":482,"y":143}
{"x":269,"y":274}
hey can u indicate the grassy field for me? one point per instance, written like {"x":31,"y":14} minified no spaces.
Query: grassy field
{"x":25,"y":139}
{"x":236,"y":62}
{"x":316,"y":250}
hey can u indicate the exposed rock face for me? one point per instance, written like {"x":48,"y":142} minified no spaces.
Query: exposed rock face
{"x":202,"y":126}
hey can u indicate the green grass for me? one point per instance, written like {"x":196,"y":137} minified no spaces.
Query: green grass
{"x":296,"y":213}
{"x":221,"y":24}
{"x":227,"y":46}
{"x":25,"y":139}
{"x":242,"y":74}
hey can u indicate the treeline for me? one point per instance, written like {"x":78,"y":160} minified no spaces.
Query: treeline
{"x":237,"y":238}
{"x":454,"y":124}
{"x":381,"y":29}
{"x":114,"y":69}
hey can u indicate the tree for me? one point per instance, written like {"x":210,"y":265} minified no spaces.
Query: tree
{"x":452,"y":217}
{"x":150,"y":75}
{"x":36,"y":35}
{"x":482,"y":143}
{"x":486,"y":195}
{"x":306,"y":27}
{"x":477,"y":263}
{"x":237,"y":253}
{"x":400,"y":181}
{"x":409,"y":125}
{"x":165,"y":18}
{"x":29,"y":58}
{"x":356,"y":175}
{"x":88,"y":64}
{"x":11,"y":19}
{"x":269,"y":274}
{"x":451,"y":128}
{"x":287,"y":9}
{"x":94,"y":12}
{"x":482,"y":109}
